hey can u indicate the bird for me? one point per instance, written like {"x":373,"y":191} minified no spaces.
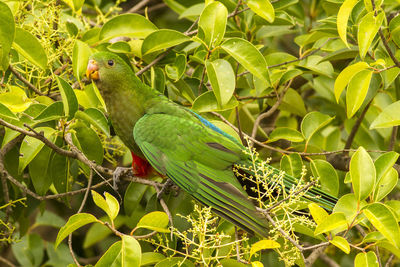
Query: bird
{"x":182,"y":145}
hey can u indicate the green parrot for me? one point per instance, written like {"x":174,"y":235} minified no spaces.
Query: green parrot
{"x":181,"y":145}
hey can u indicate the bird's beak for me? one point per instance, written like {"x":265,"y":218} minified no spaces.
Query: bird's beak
{"x":92,"y":71}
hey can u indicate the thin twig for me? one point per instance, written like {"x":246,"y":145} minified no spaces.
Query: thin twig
{"x":315,"y":255}
{"x":25,"y":81}
{"x":138,"y":6}
{"x":155,"y":61}
{"x":5,"y":261}
{"x":393,"y":138}
{"x":389,"y":261}
{"x":270,"y":111}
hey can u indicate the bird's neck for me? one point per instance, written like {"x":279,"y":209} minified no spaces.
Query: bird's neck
{"x":125,"y":104}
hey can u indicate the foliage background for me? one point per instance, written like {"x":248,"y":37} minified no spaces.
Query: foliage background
{"x":314,"y":84}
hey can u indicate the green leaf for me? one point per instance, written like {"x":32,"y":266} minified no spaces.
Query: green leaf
{"x":394,"y":27}
{"x":357,"y":91}
{"x":263,"y":8}
{"x":343,"y":17}
{"x":109,"y":205}
{"x":346,"y":75}
{"x":162,"y":39}
{"x":96,"y":118}
{"x":248,"y":56}
{"x":363,"y":174}
{"x":68,"y":97}
{"x":389,"y":117}
{"x":313,"y":122}
{"x":263,"y":244}
{"x":111,"y":257}
{"x":328,"y":176}
{"x":89,"y":143}
{"x":341,"y":243}
{"x":30,"y":48}
{"x":207,"y":102}
{"x":386,"y":175}
{"x":59,"y":172}
{"x":292,"y":164}
{"x":48,"y":218}
{"x":175,"y":262}
{"x":74,"y":222}
{"x":53,"y":112}
{"x":285,"y":133}
{"x":130,"y":25}
{"x":176,"y":70}
{"x":222,"y":79}
{"x":29,"y":251}
{"x":293,"y":102}
{"x":151,"y":258}
{"x":5,"y":112}
{"x":15,"y":99}
{"x":212,"y":23}
{"x":332,"y":222}
{"x":348,"y":204}
{"x":80,"y":58}
{"x":383,"y":219}
{"x":119,"y":47}
{"x":366,"y":260}
{"x":7,"y":34}
{"x":156,"y":221}
{"x":31,"y":146}
{"x":368,"y":28}
{"x":318,"y":213}
{"x":38,"y":171}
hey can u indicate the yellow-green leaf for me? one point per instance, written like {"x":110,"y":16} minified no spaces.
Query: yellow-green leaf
{"x":263,"y":8}
{"x":156,"y":221}
{"x":345,"y":76}
{"x":366,"y":260}
{"x":332,"y":222}
{"x":263,"y":244}
{"x":343,"y":17}
{"x":368,"y":28}
{"x":357,"y":91}
{"x":363,"y":173}
{"x":222,"y":79}
{"x":341,"y":243}
{"x":30,"y":48}
{"x":318,"y":213}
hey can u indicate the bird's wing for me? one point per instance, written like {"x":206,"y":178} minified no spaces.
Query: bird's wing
{"x":199,"y":160}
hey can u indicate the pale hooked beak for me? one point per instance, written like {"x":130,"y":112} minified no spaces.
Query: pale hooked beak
{"x":92,"y":71}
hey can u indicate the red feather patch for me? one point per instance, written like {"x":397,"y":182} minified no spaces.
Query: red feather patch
{"x":141,"y":167}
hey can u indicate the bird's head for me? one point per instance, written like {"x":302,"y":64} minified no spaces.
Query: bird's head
{"x":107,"y":69}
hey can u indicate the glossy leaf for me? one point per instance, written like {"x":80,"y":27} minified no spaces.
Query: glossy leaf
{"x":386,"y":175}
{"x":130,"y":25}
{"x":263,"y":244}
{"x":68,"y":97}
{"x":208,"y":102}
{"x":363,"y":174}
{"x":111,"y":257}
{"x":155,"y":221}
{"x":212,"y":23}
{"x":98,"y":232}
{"x":109,"y":204}
{"x":248,"y":56}
{"x":151,"y":258}
{"x":285,"y":133}
{"x":96,"y":118}
{"x":263,"y":8}
{"x":383,"y":219}
{"x":15,"y":99}
{"x":5,"y":112}
{"x":327,"y":175}
{"x":368,"y":28}
{"x":89,"y":143}
{"x":332,"y":222}
{"x":343,"y":17}
{"x":394,"y":27}
{"x":38,"y":171}
{"x":31,"y":146}
{"x":162,"y":39}
{"x":80,"y":58}
{"x":368,"y":259}
{"x":318,"y":213}
{"x":53,"y":112}
{"x":222,"y":79}
{"x":7,"y":33}
{"x":30,"y":48}
{"x":59,"y":172}
{"x":292,"y":164}
{"x":389,"y":117}
{"x":341,"y":243}
{"x":346,"y":75}
{"x":313,"y":122}
{"x":74,"y":222}
{"x":357,"y":91}
{"x":126,"y":252}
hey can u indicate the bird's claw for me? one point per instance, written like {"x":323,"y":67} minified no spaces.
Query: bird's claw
{"x":119,"y":171}
{"x":165,"y":188}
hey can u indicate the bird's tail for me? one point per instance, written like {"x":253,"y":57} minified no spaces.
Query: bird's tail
{"x":259,"y":177}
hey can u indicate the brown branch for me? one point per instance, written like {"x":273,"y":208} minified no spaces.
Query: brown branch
{"x":7,"y":262}
{"x":356,"y":126}
{"x":315,"y":255}
{"x":145,"y":236}
{"x":138,"y":6}
{"x":25,"y":81}
{"x":155,"y":61}
{"x":330,"y":262}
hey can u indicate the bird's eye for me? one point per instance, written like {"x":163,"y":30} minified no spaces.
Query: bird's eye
{"x":110,"y":63}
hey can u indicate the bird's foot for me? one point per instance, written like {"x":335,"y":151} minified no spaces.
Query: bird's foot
{"x":118,"y":173}
{"x":165,"y":188}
